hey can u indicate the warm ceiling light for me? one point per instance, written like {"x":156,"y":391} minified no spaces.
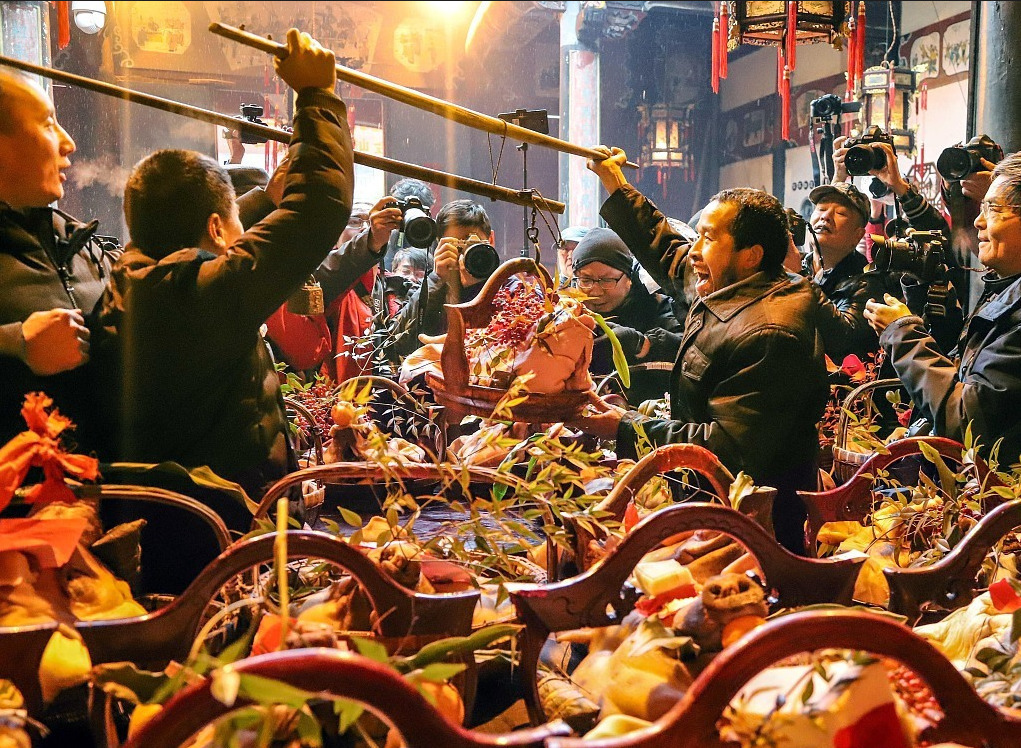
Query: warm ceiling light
{"x":448,"y":7}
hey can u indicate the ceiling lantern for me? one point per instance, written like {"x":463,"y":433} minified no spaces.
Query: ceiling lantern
{"x":783,"y":25}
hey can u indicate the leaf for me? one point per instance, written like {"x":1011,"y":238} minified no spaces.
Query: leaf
{"x":126,"y":681}
{"x":308,"y":729}
{"x":350,"y":517}
{"x":947,"y":477}
{"x":458,"y":645}
{"x":619,"y":359}
{"x":269,"y":691}
{"x":348,"y":713}
{"x":200,"y":476}
{"x":371,"y":649}
{"x":437,"y":672}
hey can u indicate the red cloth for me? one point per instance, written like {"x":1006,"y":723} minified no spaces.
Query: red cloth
{"x":303,"y":341}
{"x":63,"y":24}
{"x":350,"y":317}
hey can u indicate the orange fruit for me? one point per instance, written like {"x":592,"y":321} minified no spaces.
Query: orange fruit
{"x":739,"y":627}
{"x":343,"y":413}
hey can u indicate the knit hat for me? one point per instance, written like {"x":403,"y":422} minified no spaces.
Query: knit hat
{"x":603,"y":245}
{"x":846,"y":193}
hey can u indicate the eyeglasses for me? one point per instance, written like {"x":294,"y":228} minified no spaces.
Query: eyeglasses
{"x":997,"y":208}
{"x":604,"y":283}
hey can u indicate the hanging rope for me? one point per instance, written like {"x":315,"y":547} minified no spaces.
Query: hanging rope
{"x":499,"y":159}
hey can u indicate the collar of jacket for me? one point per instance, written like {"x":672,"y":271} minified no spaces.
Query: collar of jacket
{"x":853,"y":263}
{"x":728,"y":301}
{"x":1006,"y":294}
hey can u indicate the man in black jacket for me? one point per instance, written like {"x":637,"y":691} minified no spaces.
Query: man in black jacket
{"x":188,"y":374}
{"x":52,"y":269}
{"x":979,"y":384}
{"x":749,"y":382}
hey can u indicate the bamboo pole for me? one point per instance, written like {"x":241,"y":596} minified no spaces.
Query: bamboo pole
{"x":392,"y":166}
{"x":417,"y":99}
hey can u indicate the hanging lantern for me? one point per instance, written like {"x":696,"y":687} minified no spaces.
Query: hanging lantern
{"x":783,"y":25}
{"x":887,"y":92}
{"x":770,"y":23}
{"x":664,"y":144}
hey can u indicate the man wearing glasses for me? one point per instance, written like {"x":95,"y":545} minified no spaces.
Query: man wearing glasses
{"x":979,"y":383}
{"x":605,"y":270}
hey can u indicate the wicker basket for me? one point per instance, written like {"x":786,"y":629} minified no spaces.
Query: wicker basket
{"x":846,"y":462}
{"x":460,"y":398}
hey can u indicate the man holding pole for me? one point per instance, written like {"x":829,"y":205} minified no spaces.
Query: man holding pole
{"x":188,"y":373}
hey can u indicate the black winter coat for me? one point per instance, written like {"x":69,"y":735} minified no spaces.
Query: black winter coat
{"x":189,"y":375}
{"x":41,"y":269}
{"x":980,"y":382}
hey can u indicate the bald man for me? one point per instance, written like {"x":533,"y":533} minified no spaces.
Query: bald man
{"x":52,"y":269}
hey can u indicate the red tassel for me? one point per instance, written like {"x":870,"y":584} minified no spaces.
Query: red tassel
{"x":785,"y":105}
{"x":924,"y":96}
{"x":852,"y":56}
{"x":724,"y":37}
{"x":860,"y":45}
{"x":63,"y":24}
{"x":792,"y":35}
{"x":716,"y":55}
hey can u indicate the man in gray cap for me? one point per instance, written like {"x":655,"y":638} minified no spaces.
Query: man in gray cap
{"x":643,"y":322}
{"x":565,"y":252}
{"x":838,"y":225}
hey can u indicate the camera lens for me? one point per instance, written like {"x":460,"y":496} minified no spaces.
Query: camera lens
{"x":481,"y":260}
{"x":863,"y":158}
{"x":419,"y":228}
{"x":957,"y":162}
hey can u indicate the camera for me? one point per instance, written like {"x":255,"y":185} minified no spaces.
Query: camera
{"x":797,"y":225}
{"x":418,"y":226}
{"x":864,"y":153}
{"x":480,"y":257}
{"x":958,"y":161}
{"x":920,"y":253}
{"x":830,"y":106}
{"x":251,"y":113}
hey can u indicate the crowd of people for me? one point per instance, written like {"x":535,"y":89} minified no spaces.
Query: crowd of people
{"x":158,"y":351}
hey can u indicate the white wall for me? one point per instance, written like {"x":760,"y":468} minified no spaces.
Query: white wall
{"x":917,"y":15}
{"x":749,"y":78}
{"x":753,"y":172}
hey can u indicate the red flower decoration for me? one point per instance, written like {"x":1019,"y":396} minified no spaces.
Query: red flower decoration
{"x":40,"y":447}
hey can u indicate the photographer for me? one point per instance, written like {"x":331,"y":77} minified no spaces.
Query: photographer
{"x":979,"y":384}
{"x":449,"y":282}
{"x":918,"y":211}
{"x":402,"y":190}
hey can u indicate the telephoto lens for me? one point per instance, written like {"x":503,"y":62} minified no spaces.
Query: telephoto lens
{"x":863,"y":158}
{"x":418,"y":226}
{"x":480,"y":258}
{"x":957,"y":162}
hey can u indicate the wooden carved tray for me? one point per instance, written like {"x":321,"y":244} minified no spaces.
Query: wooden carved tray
{"x":153,"y":640}
{"x":343,"y":675}
{"x":452,"y":388}
{"x":587,"y":600}
{"x":691,"y":723}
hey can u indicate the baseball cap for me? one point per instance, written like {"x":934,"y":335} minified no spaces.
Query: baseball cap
{"x":574,"y":233}
{"x":843,"y":192}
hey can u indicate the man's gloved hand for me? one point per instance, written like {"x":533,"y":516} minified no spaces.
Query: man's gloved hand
{"x":634,"y":344}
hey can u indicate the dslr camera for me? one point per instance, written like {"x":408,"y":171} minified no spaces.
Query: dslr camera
{"x":251,"y":113}
{"x":864,"y":153}
{"x":418,"y":226}
{"x":797,"y":225}
{"x":480,"y":257}
{"x":958,"y":161}
{"x":920,"y":253}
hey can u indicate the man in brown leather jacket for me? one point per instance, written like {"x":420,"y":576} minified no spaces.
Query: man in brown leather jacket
{"x":749,"y":382}
{"x":188,"y":375}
